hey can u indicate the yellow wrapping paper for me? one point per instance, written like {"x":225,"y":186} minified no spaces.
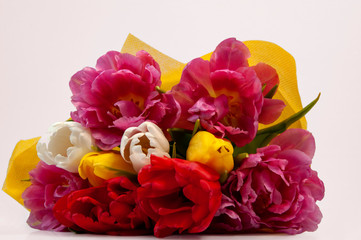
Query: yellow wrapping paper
{"x":24,"y":157}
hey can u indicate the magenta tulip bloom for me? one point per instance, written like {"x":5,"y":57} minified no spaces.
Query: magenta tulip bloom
{"x":48,"y":185}
{"x":274,"y":189}
{"x":225,"y":93}
{"x":120,"y":93}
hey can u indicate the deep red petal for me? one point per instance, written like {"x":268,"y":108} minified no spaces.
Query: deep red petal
{"x":268,"y":76}
{"x":271,"y":110}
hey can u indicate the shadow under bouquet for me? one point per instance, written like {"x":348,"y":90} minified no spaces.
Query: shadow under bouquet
{"x":155,"y":146}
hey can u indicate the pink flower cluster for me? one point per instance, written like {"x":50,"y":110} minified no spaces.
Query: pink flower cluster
{"x":272,"y":189}
{"x":49,"y":184}
{"x":120,"y":93}
{"x":226,"y":94}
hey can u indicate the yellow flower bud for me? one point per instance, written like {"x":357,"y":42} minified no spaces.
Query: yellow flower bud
{"x":214,"y":152}
{"x":100,"y":166}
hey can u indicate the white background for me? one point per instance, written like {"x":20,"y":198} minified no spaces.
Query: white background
{"x":43,"y":43}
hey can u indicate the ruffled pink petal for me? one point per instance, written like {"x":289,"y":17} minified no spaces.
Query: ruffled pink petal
{"x":195,"y":80}
{"x":127,"y":122}
{"x":194,"y":85}
{"x":209,"y":109}
{"x":230,"y":54}
{"x":44,"y":220}
{"x":147,"y":59}
{"x":162,"y":109}
{"x":110,"y":87}
{"x":151,"y":71}
{"x":114,"y":60}
{"x":81,"y":78}
{"x":298,"y":166}
{"x":296,"y":138}
{"x":238,"y":136}
{"x":107,"y":138}
{"x":314,"y":186}
{"x":127,"y":108}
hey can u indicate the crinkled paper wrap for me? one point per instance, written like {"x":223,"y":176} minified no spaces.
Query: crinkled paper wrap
{"x":24,"y":157}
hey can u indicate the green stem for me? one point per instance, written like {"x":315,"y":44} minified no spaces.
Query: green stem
{"x":159,"y":90}
{"x":282,"y":126}
{"x":196,"y":127}
{"x":174,"y":150}
{"x":264,"y":136}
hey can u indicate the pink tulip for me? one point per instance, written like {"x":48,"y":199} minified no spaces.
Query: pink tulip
{"x":274,"y":189}
{"x":120,"y":93}
{"x":48,"y":185}
{"x":226,"y":94}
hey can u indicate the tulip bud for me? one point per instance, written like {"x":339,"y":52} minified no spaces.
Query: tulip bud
{"x":216,"y":153}
{"x":100,"y":166}
{"x":139,"y":143}
{"x":64,"y":145}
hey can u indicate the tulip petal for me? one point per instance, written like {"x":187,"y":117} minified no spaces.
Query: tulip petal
{"x":116,"y":61}
{"x":167,"y":195}
{"x":268,"y":76}
{"x":271,"y":110}
{"x":295,"y":138}
{"x":229,"y":54}
{"x":315,"y":186}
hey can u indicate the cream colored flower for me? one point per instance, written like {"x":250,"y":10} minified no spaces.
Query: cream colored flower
{"x":64,"y":145}
{"x":139,"y":143}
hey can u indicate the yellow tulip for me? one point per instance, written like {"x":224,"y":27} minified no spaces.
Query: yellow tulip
{"x":100,"y":166}
{"x":214,"y":152}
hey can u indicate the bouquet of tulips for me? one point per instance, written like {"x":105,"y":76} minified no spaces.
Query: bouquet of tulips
{"x":216,"y":148}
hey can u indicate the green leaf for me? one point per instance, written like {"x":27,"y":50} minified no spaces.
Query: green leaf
{"x":264,"y":87}
{"x":197,"y":125}
{"x":159,"y":90}
{"x":181,"y":137}
{"x":264,"y":136}
{"x":174,"y":150}
{"x":95,"y":148}
{"x":272,"y":92}
{"x":223,"y":177}
{"x":119,"y":172}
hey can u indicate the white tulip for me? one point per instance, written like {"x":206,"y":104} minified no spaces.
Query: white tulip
{"x":64,"y":145}
{"x":139,"y":143}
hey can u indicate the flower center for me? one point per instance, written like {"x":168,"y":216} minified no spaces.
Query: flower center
{"x":145,"y":144}
{"x":129,"y":105}
{"x":60,"y":142}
